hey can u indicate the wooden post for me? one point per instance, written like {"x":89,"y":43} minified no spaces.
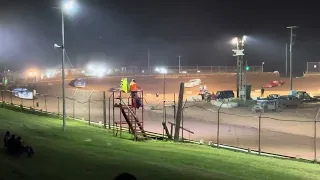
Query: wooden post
{"x":179,"y":112}
{"x":166,"y":130}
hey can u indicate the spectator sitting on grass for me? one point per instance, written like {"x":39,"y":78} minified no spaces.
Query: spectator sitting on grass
{"x":11,"y":142}
{"x":125,"y":176}
{"x":21,"y":149}
{"x":6,"y":139}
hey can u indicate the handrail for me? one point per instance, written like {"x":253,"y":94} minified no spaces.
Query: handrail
{"x":189,"y":131}
{"x":121,"y":101}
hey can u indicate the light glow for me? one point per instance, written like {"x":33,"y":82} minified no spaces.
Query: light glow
{"x":98,"y":70}
{"x":244,"y":38}
{"x":67,"y":6}
{"x":235,"y":40}
{"x":161,"y":70}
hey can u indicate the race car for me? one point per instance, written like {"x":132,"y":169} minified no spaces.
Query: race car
{"x":192,"y":83}
{"x":22,"y":93}
{"x":78,"y":83}
{"x":115,"y":89}
{"x":273,"y":84}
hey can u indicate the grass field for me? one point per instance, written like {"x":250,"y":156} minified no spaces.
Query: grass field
{"x":84,"y":152}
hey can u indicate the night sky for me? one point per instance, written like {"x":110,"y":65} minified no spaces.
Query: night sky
{"x":120,"y":32}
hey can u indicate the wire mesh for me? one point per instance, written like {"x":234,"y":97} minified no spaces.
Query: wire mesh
{"x":296,"y":138}
{"x":290,"y":138}
{"x":81,"y":110}
{"x":240,"y":131}
{"x":196,"y":120}
{"x":14,"y":99}
{"x":40,"y":102}
{"x":313,"y":67}
{"x":53,"y":104}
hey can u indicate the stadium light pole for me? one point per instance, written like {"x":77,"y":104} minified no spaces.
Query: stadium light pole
{"x":239,"y":42}
{"x":66,"y":6}
{"x":290,"y":51}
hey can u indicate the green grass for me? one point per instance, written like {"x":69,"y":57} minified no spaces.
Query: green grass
{"x":68,"y":155}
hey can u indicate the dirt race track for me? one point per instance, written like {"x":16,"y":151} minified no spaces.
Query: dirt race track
{"x":290,"y":132}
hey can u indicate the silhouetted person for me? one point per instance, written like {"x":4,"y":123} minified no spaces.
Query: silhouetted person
{"x":11,"y":144}
{"x":6,"y":139}
{"x":262,"y":92}
{"x":125,"y":176}
{"x":21,"y":149}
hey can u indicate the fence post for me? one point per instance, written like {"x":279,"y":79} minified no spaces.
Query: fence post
{"x":315,"y":140}
{"x":182,"y":124}
{"x":33,"y":103}
{"x":260,"y":133}
{"x":109,"y":110}
{"x":89,"y":111}
{"x":2,"y":95}
{"x":174,"y":106}
{"x":11,"y":97}
{"x":58,"y":107}
{"x":178,"y":118}
{"x":315,"y":136}
{"x":104,"y":111}
{"x":218,"y":125}
{"x":113,"y":124}
{"x":45,"y":103}
{"x":74,"y":108}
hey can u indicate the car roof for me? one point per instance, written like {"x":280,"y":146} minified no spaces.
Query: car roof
{"x":225,"y":91}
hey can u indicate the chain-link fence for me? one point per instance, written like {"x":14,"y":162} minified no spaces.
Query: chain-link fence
{"x":188,"y":69}
{"x":80,"y":104}
{"x":259,"y":133}
{"x":313,"y":68}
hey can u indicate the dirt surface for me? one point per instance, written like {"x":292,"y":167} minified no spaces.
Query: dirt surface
{"x":290,"y":132}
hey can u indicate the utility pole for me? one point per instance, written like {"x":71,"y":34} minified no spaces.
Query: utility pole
{"x":286,"y":59}
{"x":149,"y":69}
{"x":179,"y":64}
{"x":63,"y":74}
{"x":291,"y":43}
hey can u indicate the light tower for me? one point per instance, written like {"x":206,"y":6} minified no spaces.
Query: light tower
{"x":241,"y":80}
